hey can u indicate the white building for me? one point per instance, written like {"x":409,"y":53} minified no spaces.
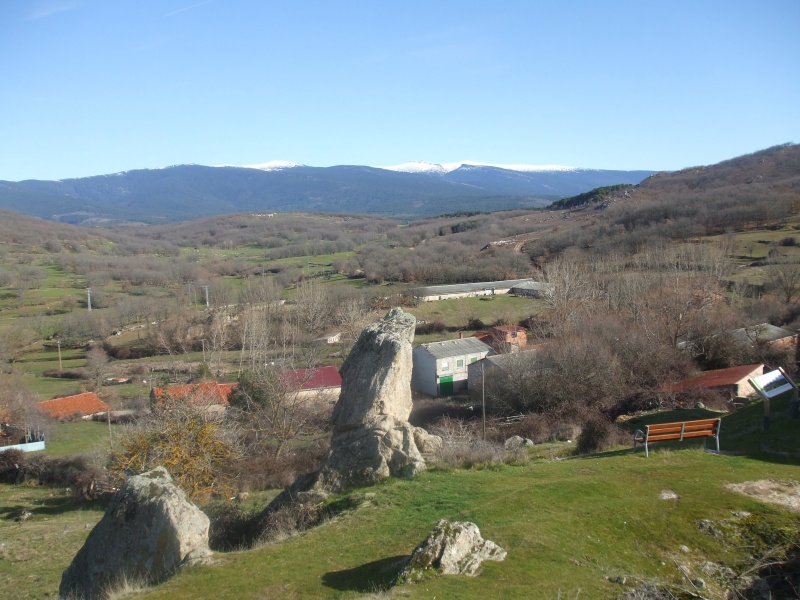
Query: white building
{"x":440,"y":368}
{"x":465,"y":290}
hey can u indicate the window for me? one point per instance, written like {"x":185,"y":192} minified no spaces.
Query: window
{"x":460,"y":363}
{"x":445,"y":365}
{"x":473,"y":359}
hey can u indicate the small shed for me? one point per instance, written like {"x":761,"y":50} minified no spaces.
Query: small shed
{"x":440,"y":368}
{"x":534,"y":289}
{"x":508,"y":338}
{"x":330,"y":338}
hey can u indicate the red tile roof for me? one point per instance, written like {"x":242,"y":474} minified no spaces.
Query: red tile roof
{"x":84,"y":404}
{"x":311,"y":379}
{"x":717,"y":378}
{"x":509,"y":328}
{"x":206,"y":393}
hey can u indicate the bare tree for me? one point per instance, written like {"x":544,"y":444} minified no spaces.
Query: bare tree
{"x":96,"y":366}
{"x":13,"y":342}
{"x":272,"y":406}
{"x":312,"y":309}
{"x":571,"y":288}
{"x":783,"y":278}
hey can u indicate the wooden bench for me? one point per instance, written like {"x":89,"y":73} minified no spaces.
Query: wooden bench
{"x":662,"y":432}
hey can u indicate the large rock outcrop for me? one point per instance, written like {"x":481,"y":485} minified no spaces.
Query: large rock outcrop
{"x":452,"y":548}
{"x":372,"y":438}
{"x":149,"y":531}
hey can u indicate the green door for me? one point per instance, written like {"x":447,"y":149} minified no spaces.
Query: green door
{"x":446,"y":386}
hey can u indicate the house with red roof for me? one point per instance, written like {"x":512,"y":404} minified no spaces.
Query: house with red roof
{"x":208,"y":394}
{"x":320,"y":382}
{"x":83,"y":406}
{"x":732,"y":381}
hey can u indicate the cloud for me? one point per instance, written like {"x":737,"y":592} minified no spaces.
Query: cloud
{"x":48,"y":9}
{"x":180,"y":10}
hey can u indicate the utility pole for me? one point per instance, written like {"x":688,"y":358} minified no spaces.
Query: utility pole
{"x":205,"y":287}
{"x":89,"y":298}
{"x":60,"y":368}
{"x":483,"y":400}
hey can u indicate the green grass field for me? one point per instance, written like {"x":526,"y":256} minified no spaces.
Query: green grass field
{"x":572,"y":527}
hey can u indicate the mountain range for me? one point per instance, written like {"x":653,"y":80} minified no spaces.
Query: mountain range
{"x":415,"y":189}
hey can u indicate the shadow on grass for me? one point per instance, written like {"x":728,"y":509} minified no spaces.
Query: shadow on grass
{"x":52,"y":507}
{"x":371,"y":577}
{"x":60,"y":506}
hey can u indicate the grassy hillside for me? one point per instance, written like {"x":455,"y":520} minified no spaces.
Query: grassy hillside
{"x":574,"y":527}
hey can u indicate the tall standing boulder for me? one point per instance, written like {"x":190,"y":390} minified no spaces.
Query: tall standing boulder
{"x":372,"y":438}
{"x":150,"y":530}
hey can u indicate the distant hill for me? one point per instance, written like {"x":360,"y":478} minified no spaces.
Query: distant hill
{"x":749,"y":191}
{"x":189,"y":191}
{"x":773,"y":171}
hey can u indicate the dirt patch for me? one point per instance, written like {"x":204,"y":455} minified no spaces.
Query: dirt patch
{"x":782,"y":493}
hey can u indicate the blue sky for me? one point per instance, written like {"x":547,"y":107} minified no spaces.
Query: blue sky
{"x":90,"y":87}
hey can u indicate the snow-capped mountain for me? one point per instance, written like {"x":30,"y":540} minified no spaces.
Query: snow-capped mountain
{"x":274,"y":165}
{"x":420,"y":166}
{"x":413,"y":189}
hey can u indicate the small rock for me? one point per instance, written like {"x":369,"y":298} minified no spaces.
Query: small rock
{"x":708,"y":527}
{"x":668,"y":495}
{"x":517,"y":442}
{"x":684,"y":548}
{"x":452,"y":548}
{"x":699,"y":583}
{"x":700,"y":405}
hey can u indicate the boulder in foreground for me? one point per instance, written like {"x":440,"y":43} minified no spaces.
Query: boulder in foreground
{"x":452,"y":548}
{"x":150,"y":530}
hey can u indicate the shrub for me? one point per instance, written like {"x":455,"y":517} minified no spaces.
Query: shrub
{"x":265,"y":471}
{"x":463,"y":449}
{"x":196,"y":448}
{"x":11,"y":464}
{"x":231,"y":526}
{"x":291,"y":519}
{"x":430,"y":327}
{"x":74,"y":472}
{"x":474,"y":323}
{"x":599,"y":434}
{"x":469,"y":454}
{"x":635,"y":403}
{"x":57,"y":374}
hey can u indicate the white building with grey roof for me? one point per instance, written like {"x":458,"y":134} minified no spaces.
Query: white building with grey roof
{"x":440,"y":368}
{"x":466,"y":290}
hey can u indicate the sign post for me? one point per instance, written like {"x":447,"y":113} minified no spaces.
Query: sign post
{"x":772,"y":384}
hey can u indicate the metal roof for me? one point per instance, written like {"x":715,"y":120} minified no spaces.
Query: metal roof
{"x":761,"y":333}
{"x":462,"y":288}
{"x":459,"y":347}
{"x":530,"y":284}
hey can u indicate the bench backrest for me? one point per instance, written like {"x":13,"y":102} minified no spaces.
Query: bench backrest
{"x":683,"y":429}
